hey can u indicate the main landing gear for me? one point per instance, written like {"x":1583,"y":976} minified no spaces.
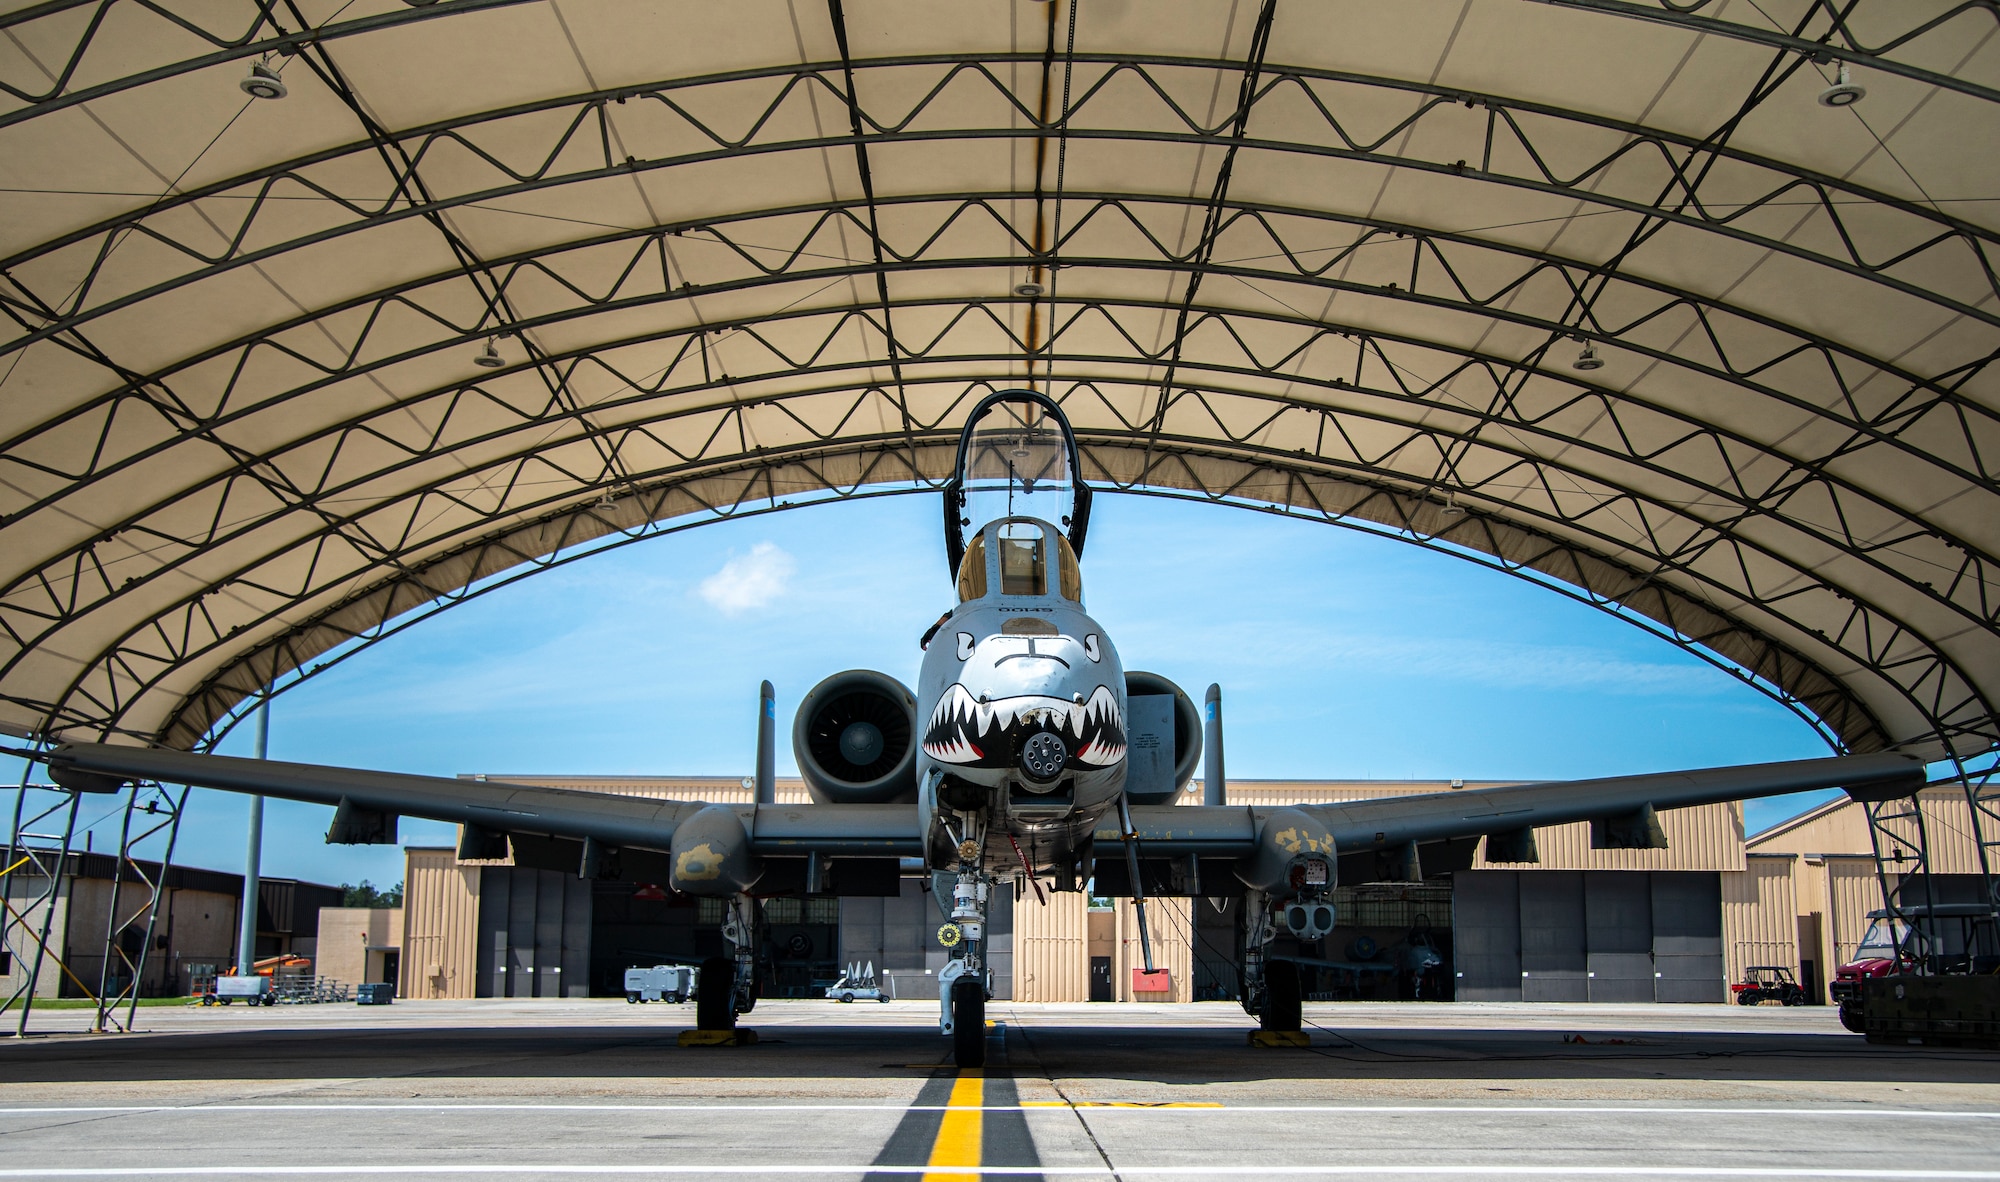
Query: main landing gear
{"x":968,"y":1018}
{"x":727,"y":985}
{"x":1271,"y":988}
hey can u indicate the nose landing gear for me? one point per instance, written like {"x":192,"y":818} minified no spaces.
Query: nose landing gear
{"x":963,"y":983}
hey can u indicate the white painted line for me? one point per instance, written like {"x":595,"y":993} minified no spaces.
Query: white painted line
{"x":1457,"y":1170}
{"x":1052,"y":1106}
{"x":226,"y":1108}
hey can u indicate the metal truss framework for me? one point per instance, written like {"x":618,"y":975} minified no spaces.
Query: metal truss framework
{"x":1825,"y":30}
{"x":1506,"y":141}
{"x":1712,"y":535}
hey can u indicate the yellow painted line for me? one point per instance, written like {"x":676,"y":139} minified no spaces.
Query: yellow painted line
{"x":1120,"y":1104}
{"x":960,"y":1134}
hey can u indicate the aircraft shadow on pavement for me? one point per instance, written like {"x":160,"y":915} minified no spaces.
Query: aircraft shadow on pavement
{"x":1175,"y":1057}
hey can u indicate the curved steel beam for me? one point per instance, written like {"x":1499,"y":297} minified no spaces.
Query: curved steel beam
{"x":1838,"y":43}
{"x":247,"y":44}
{"x":223,"y":699}
{"x":1817,"y":470}
{"x":1424,"y":245}
{"x":589,"y":108}
{"x":1869,"y":659}
{"x":1877,"y":640}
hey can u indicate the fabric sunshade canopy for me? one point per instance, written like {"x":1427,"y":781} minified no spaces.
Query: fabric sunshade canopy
{"x":1685,"y":309}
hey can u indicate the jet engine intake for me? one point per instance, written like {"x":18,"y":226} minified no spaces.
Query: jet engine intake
{"x":855,"y":737}
{"x":1174,"y":755}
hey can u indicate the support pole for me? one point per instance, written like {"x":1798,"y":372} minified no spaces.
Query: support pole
{"x":253,"y":858}
{"x":1138,"y":890}
{"x":1213,"y":787}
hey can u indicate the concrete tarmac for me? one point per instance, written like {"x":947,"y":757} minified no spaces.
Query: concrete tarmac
{"x":558,"y":1089}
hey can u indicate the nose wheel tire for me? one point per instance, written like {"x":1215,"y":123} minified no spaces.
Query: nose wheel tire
{"x":714,"y":995}
{"x":1282,"y":1010}
{"x":968,"y":1023}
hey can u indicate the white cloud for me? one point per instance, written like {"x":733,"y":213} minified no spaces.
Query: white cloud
{"x":748,"y":581}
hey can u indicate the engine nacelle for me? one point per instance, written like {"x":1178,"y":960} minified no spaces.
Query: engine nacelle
{"x":1184,"y":744}
{"x":855,"y":738}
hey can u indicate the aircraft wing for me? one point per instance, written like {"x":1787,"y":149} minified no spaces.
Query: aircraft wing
{"x":498,"y":808}
{"x":1439,"y":828}
{"x":1620,"y":807}
{"x":1440,"y":815}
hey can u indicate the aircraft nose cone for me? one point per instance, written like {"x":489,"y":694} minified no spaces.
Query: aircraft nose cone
{"x":861,"y":743}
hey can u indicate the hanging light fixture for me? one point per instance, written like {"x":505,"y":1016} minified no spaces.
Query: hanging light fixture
{"x":1588,"y":359}
{"x":1842,"y":93}
{"x":489,"y":357}
{"x":1029,"y":290}
{"x":262,"y":82}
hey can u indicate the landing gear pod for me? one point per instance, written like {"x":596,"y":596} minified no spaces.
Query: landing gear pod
{"x":711,"y":854}
{"x":855,"y":737}
{"x":1295,"y":857}
{"x":1177,"y":725}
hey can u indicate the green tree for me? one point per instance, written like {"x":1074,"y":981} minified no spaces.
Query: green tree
{"x":367,"y":895}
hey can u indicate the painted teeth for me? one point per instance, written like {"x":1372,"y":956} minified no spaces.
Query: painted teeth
{"x":960,"y":724}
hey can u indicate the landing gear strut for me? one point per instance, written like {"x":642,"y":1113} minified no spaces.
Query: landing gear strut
{"x":728,"y":984}
{"x":962,"y":986}
{"x":1259,"y":928}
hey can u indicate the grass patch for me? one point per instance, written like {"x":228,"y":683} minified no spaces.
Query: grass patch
{"x":84,"y":1003}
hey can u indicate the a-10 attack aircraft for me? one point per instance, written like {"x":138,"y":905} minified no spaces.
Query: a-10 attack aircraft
{"x":1028,"y":753}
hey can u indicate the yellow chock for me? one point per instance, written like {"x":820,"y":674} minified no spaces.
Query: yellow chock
{"x":740,"y":1037}
{"x":1279,"y":1038}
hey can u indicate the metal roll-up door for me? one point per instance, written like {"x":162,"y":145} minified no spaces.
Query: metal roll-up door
{"x":574,"y":958}
{"x":1687,"y":937}
{"x":1618,"y":937}
{"x":1486,"y":935}
{"x":496,"y":889}
{"x":1553,"y":960}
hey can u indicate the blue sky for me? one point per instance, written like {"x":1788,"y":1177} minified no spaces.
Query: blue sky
{"x":1340,"y":654}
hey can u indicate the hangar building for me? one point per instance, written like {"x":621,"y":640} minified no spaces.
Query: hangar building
{"x":1582,"y":925}
{"x":194,"y":933}
{"x":319,"y":325}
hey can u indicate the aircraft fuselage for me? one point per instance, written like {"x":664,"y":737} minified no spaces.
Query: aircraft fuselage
{"x":1021,"y":708}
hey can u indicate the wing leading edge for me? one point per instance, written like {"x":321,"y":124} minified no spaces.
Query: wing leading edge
{"x":366,"y":799}
{"x":1620,"y":807}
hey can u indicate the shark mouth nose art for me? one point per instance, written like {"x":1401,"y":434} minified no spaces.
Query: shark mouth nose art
{"x":966,"y":731}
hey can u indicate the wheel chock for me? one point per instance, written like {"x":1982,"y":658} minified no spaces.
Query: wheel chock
{"x":1279,"y":1038}
{"x":740,"y":1037}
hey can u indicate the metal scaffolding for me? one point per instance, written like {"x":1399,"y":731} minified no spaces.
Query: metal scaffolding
{"x":38,"y":854}
{"x":43,"y":854}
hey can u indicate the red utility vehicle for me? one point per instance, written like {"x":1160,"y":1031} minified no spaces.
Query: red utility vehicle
{"x":1948,"y":939}
{"x":1768,"y":982}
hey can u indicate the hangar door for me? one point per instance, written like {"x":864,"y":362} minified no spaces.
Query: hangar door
{"x":1587,"y":935}
{"x":534,"y":933}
